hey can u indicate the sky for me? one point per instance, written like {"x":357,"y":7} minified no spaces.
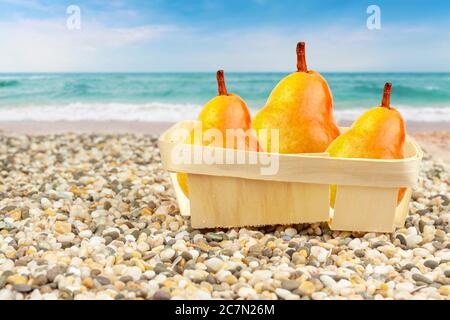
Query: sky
{"x":236,"y":35}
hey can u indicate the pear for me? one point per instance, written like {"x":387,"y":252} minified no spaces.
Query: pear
{"x":225,"y":111}
{"x":379,"y":133}
{"x":301,"y":108}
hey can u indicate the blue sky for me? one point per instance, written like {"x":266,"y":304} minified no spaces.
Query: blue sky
{"x":237,"y":35}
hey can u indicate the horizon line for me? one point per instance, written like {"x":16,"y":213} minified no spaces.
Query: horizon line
{"x":206,"y":72}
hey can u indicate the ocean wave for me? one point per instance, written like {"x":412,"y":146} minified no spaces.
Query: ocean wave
{"x":409,"y":113}
{"x":172,"y":112}
{"x":150,"y":112}
{"x":8,"y":83}
{"x":433,"y":92}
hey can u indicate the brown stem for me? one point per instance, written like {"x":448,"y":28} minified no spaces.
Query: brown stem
{"x":221,"y":83}
{"x":301,"y":58}
{"x":386,"y":102}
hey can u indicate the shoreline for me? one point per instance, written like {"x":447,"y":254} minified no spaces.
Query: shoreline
{"x":434,"y":137}
{"x":33,"y":127}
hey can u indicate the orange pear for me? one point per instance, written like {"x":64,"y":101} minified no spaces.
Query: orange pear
{"x":301,"y":108}
{"x":377,"y":134}
{"x":225,"y":111}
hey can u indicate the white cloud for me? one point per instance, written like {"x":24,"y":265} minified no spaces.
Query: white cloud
{"x":31,"y":4}
{"x":48,"y":45}
{"x":329,"y":48}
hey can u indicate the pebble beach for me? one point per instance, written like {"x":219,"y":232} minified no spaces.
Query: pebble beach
{"x":94,"y":216}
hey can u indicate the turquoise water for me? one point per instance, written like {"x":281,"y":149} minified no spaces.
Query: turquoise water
{"x":175,"y":96}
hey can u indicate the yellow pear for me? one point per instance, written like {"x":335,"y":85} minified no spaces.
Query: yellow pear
{"x":301,"y":108}
{"x":225,"y":111}
{"x":379,"y":133}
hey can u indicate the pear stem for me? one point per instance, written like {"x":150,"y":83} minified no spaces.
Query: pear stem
{"x":386,"y":101}
{"x":301,"y":57}
{"x":221,"y":83}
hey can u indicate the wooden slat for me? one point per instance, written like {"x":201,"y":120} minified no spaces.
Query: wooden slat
{"x":183,"y":201}
{"x":365,"y":209}
{"x":402,"y":209}
{"x":232,"y":202}
{"x":301,"y":168}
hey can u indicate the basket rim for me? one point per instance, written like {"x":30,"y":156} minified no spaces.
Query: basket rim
{"x":307,"y":168}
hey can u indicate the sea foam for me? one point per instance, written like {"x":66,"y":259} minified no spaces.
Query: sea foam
{"x":172,"y":112}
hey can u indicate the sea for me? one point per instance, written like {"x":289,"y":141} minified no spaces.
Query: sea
{"x":170,"y":97}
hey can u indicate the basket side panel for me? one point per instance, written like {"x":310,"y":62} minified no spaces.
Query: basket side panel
{"x":310,"y":202}
{"x":235,"y":202}
{"x":403,"y":209}
{"x":365,"y":209}
{"x":183,"y":201}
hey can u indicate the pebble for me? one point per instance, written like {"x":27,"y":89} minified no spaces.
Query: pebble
{"x":413,"y":240}
{"x":360,"y":253}
{"x":408,"y":266}
{"x":102,"y":222}
{"x":285,"y":294}
{"x":291,"y":232}
{"x":354,"y":244}
{"x":289,"y":284}
{"x":133,"y":272}
{"x":328,"y":281}
{"x":402,"y":239}
{"x":320,"y":253}
{"x":160,"y":268}
{"x":211,"y":236}
{"x":421,"y":278}
{"x":96,"y":241}
{"x":432,"y":264}
{"x":85,"y":233}
{"x":255,"y":250}
{"x":103,"y":280}
{"x":45,"y":203}
{"x":412,"y":231}
{"x":195,"y":275}
{"x":262,"y":274}
{"x":40,"y":280}
{"x":54,"y":272}
{"x":62,"y":227}
{"x":246,"y":292}
{"x":307,"y":288}
{"x":405,"y":286}
{"x":167,"y":254}
{"x":107,"y":205}
{"x":186,"y":255}
{"x":113,"y":234}
{"x":214,"y":264}
{"x":22,"y":288}
{"x":420,"y":252}
{"x":161,"y":295}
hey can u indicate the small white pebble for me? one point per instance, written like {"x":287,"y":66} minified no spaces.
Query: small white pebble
{"x":133,"y":272}
{"x":214,"y":264}
{"x":290,"y":232}
{"x":85,"y":233}
{"x":45,"y":203}
{"x":354,"y":244}
{"x":167,"y":254}
{"x":246,"y":292}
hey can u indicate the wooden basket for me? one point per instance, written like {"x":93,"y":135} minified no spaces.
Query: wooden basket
{"x":236,"y":195}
